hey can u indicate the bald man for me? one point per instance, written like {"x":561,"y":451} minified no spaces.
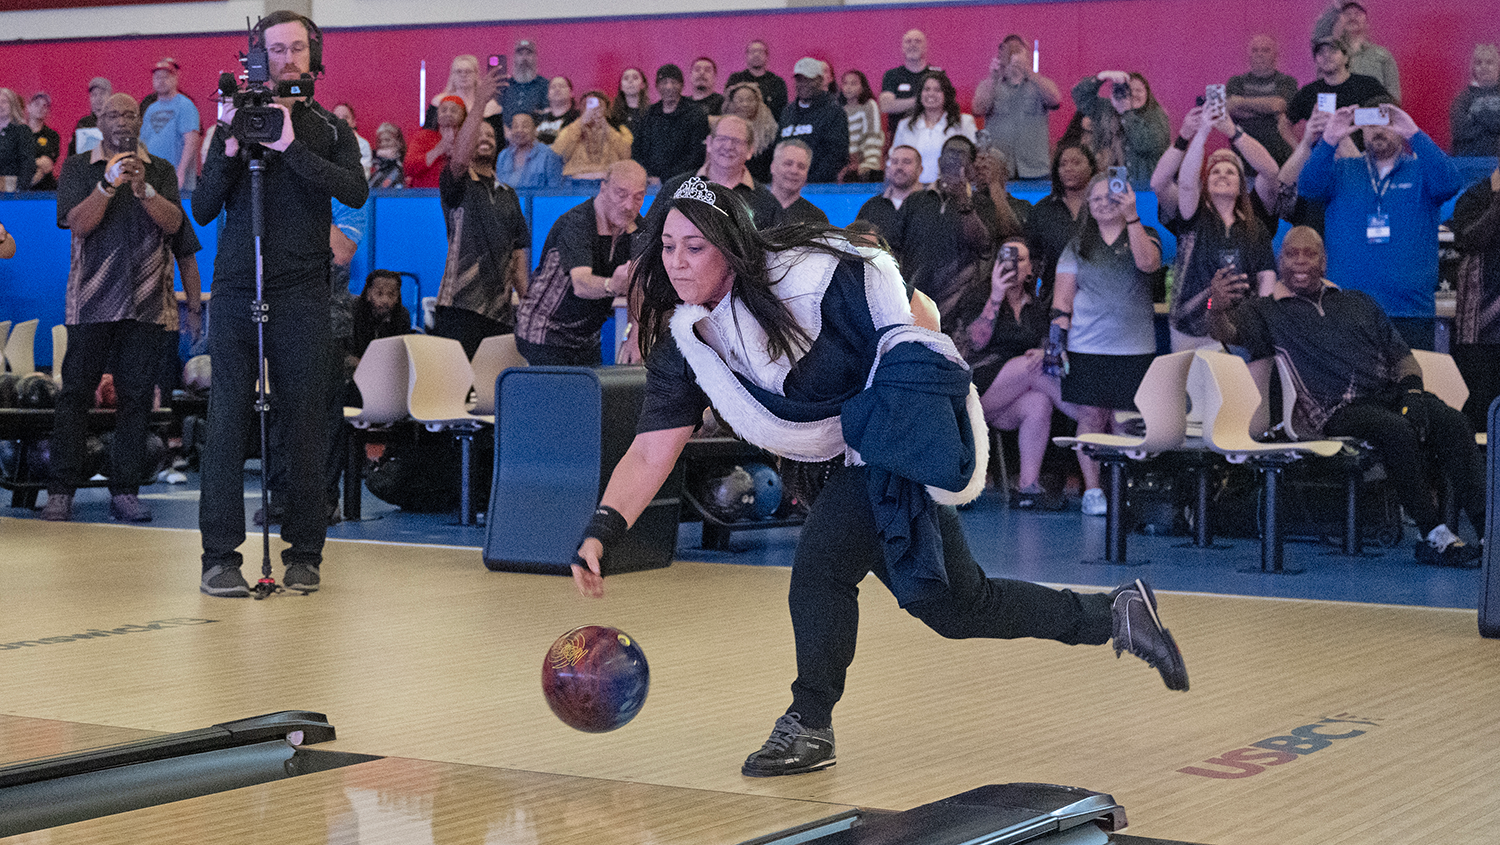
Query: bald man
{"x":898,"y":87}
{"x":585,"y":265}
{"x":1356,"y":377}
{"x":1258,"y":100}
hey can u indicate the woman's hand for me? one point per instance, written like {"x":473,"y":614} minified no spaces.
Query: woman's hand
{"x":588,"y":579}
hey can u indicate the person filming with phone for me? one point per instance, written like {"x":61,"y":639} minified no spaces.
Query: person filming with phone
{"x":1383,"y":209}
{"x":1218,"y":213}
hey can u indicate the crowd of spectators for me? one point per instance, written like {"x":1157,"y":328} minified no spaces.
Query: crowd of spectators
{"x":1053,"y":301}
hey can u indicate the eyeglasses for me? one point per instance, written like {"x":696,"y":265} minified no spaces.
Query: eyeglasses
{"x":729,"y":140}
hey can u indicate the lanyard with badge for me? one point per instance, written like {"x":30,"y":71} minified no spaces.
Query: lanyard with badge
{"x":1378,"y":229}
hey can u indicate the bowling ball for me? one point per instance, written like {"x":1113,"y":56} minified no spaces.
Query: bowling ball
{"x":8,"y":389}
{"x":36,"y":390}
{"x":767,"y":491}
{"x":726,"y":492}
{"x":197,"y":373}
{"x":595,"y":678}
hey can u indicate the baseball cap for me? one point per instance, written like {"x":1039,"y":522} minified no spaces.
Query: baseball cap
{"x":1333,"y":40}
{"x":1355,"y":3}
{"x":41,"y":95}
{"x":808,"y":67}
{"x":669,"y":71}
{"x":166,"y":63}
{"x":525,"y":44}
{"x":100,"y":82}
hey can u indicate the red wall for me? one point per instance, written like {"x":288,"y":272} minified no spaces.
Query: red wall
{"x":1179,"y":44}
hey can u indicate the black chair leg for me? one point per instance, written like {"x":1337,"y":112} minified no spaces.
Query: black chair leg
{"x":465,"y":498}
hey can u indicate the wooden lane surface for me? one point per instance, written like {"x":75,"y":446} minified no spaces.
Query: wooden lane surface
{"x":414,"y":802}
{"x":421,"y":653}
{"x":24,"y":739}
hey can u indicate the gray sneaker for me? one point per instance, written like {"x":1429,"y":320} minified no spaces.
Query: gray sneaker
{"x":59,"y":507}
{"x":225,"y":581}
{"x":791,"y":750}
{"x":302,"y":577}
{"x":1138,"y":630}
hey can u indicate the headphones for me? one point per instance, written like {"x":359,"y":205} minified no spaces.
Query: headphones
{"x":314,"y":36}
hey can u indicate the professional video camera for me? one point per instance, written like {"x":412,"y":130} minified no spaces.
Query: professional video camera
{"x":255,"y":119}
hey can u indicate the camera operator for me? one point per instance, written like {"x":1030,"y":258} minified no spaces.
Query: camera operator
{"x":315,"y":159}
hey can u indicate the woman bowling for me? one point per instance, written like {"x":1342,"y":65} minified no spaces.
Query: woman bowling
{"x":781,"y":331}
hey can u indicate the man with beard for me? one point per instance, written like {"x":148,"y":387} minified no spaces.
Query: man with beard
{"x":1382,"y":214}
{"x":488,"y":240}
{"x":315,"y":160}
{"x":1356,"y":377}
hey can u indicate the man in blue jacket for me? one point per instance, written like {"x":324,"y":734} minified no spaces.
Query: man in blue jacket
{"x":1382,"y":214}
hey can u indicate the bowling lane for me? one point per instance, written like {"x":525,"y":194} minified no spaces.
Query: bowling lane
{"x":416,"y":802}
{"x":23,"y":738}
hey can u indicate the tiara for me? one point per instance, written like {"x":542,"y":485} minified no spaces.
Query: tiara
{"x":697,"y":189}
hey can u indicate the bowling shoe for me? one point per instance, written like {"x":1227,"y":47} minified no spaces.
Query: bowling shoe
{"x":1138,"y":630}
{"x":791,"y":750}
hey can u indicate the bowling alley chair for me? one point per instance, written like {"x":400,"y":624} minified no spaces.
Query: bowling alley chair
{"x":494,"y":356}
{"x":4,"y":334}
{"x":1162,"y":400}
{"x":381,"y":377}
{"x":19,"y":351}
{"x":1230,"y":404}
{"x":437,"y":397}
{"x":59,"y":350}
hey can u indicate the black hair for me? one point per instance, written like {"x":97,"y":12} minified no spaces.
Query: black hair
{"x":1063,"y":146}
{"x":865,"y":92}
{"x":950,"y":99}
{"x":728,"y":226}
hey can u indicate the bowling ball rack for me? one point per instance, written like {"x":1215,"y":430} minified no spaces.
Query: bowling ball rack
{"x":29,"y":425}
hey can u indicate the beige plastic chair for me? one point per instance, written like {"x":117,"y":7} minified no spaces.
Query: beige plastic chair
{"x":1162,"y":400}
{"x":19,"y":348}
{"x":381,"y":377}
{"x":4,"y":334}
{"x":1441,"y":378}
{"x":437,"y":397}
{"x":494,"y":356}
{"x":1230,"y":402}
{"x":59,"y":350}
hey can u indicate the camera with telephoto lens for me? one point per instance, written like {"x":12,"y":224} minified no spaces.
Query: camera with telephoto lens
{"x":256,"y":119}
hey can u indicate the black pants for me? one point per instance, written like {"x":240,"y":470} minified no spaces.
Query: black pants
{"x":467,"y":327}
{"x":1446,"y":443}
{"x":839,"y":546}
{"x":134,"y":349}
{"x":559,"y":356}
{"x":297,"y":350}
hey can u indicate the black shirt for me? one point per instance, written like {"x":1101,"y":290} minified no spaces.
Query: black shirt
{"x":669,"y":144}
{"x":765,"y":210}
{"x":17,"y":154}
{"x":823,"y":126}
{"x":1357,"y":90}
{"x":903,"y":83}
{"x":552,"y":314}
{"x":1050,"y":226}
{"x":322,"y":163}
{"x":1478,"y":286}
{"x":802,"y":211}
{"x":1264,"y":127}
{"x":711,"y":104}
{"x":485,"y":228}
{"x":881,"y":213}
{"x":773,"y":91}
{"x":940,"y":243}
{"x":47,"y":144}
